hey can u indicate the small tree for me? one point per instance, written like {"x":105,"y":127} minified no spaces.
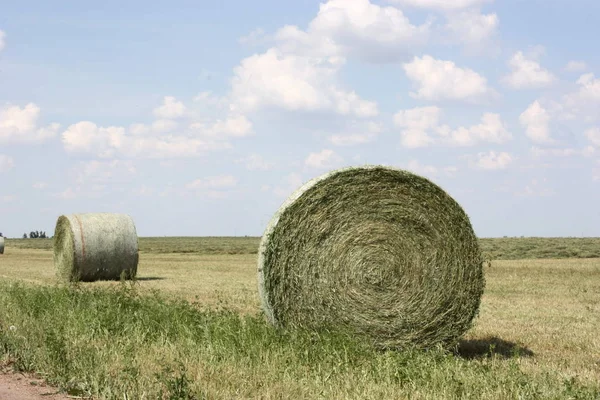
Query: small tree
{"x":24,"y":236}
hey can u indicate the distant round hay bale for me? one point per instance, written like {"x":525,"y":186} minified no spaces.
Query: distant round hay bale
{"x":1,"y":245}
{"x":95,"y":246}
{"x":376,"y":251}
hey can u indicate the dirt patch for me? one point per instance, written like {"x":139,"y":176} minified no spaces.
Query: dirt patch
{"x":23,"y":387}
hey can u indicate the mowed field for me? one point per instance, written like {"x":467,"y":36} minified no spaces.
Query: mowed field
{"x":190,"y":327}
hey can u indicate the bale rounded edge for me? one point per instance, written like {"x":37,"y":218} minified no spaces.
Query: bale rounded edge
{"x":95,"y":246}
{"x":404,"y":269}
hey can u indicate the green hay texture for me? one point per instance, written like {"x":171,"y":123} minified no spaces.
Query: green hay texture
{"x":95,"y":246}
{"x":376,"y":251}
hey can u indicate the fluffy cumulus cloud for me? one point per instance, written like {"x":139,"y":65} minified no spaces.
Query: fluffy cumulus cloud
{"x":471,"y":27}
{"x":464,"y":21}
{"x":429,"y":170}
{"x":492,"y":160}
{"x":355,"y":28}
{"x":6,"y":163}
{"x":443,"y":5}
{"x":576,"y":66}
{"x":325,"y":159}
{"x":584,"y":102}
{"x":170,"y":109}
{"x":216,"y":187}
{"x":593,"y":135}
{"x":213,"y":182}
{"x":416,"y":125}
{"x":536,"y":121}
{"x":163,"y":138}
{"x":444,"y":80}
{"x":295,"y":83}
{"x":255,"y":162}
{"x":490,"y":129}
{"x":420,"y":127}
{"x":301,"y":71}
{"x":526,"y":73}
{"x":20,"y":125}
{"x":87,"y":137}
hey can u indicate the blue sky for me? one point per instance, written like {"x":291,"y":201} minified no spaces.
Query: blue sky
{"x":200,"y":118}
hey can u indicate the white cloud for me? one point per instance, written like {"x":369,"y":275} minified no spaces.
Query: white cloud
{"x":170,"y":109}
{"x":325,"y":159}
{"x":443,"y":5}
{"x":593,"y":135}
{"x":19,"y":125}
{"x":355,"y":28}
{"x":526,"y":73}
{"x":191,"y":136}
{"x":214,"y":187}
{"x":443,"y":80}
{"x":576,"y":66}
{"x":255,"y":37}
{"x":6,"y":163}
{"x":254,"y":162}
{"x":235,"y":126}
{"x":536,"y":121}
{"x":164,"y":125}
{"x":213,"y":182}
{"x":207,"y":98}
{"x":421,"y":127}
{"x":2,"y":40}
{"x":585,"y":101}
{"x":368,"y":134}
{"x":275,"y":79}
{"x":39,"y":185}
{"x":493,"y":161}
{"x":415,"y":124}
{"x":491,"y":129}
{"x":87,"y":137}
{"x":472,"y":27}
{"x":429,"y":170}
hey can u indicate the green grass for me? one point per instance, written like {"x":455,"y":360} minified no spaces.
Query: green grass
{"x":496,"y":248}
{"x":115,"y":344}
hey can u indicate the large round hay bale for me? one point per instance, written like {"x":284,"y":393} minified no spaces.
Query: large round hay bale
{"x":1,"y":245}
{"x":95,"y":246}
{"x":377,"y":252}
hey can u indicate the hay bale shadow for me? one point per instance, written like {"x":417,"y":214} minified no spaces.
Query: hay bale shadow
{"x":491,"y":347}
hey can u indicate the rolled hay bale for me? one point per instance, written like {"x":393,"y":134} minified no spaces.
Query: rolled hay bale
{"x":95,"y":246}
{"x":1,"y":245}
{"x":379,"y":252}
